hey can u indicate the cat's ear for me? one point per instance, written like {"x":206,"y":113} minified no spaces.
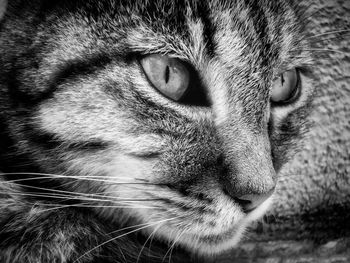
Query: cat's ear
{"x":3,"y":5}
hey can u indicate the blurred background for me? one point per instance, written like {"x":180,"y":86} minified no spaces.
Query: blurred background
{"x":310,"y":221}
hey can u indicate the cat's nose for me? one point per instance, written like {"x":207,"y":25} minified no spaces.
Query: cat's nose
{"x":249,"y":202}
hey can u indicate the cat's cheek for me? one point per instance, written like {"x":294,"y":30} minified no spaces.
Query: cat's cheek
{"x":128,"y":181}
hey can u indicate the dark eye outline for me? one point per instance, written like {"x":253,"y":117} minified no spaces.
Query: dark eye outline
{"x":195,"y":95}
{"x":294,"y":96}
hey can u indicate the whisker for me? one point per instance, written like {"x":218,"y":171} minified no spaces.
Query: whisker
{"x":49,"y":175}
{"x":327,"y":50}
{"x":46,"y":175}
{"x":79,"y":198}
{"x":83,"y":177}
{"x":55,"y":191}
{"x":173,"y":245}
{"x":86,"y":205}
{"x":315,"y":41}
{"x":310,"y":15}
{"x":87,"y":178}
{"x":125,"y":228}
{"x":133,"y":183}
{"x":128,"y":190}
{"x":151,"y":235}
{"x":29,"y":173}
{"x":121,"y":252}
{"x":114,"y":238}
{"x":109,"y":182}
{"x":305,"y":9}
{"x":54,"y":196}
{"x":329,"y":33}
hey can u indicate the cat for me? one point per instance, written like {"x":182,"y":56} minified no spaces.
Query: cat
{"x":144,"y":131}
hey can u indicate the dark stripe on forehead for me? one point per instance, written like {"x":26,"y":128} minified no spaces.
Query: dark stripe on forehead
{"x":173,"y":15}
{"x":203,"y":13}
{"x":256,"y":95}
{"x":256,"y":13}
{"x":277,"y":14}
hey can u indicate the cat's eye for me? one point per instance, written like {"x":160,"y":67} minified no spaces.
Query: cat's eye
{"x":286,"y":88}
{"x":169,"y":76}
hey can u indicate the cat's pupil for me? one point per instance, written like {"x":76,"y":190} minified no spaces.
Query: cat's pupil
{"x":167,"y":74}
{"x":282,"y":80}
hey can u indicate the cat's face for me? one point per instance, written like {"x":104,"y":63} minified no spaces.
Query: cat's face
{"x":175,"y":114}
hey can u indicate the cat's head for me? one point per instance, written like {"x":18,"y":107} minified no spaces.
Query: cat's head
{"x":174,"y":114}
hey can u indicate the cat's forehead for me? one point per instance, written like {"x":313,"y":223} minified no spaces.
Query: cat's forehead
{"x":243,"y":34}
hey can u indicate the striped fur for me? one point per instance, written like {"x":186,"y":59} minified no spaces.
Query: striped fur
{"x":109,"y":152}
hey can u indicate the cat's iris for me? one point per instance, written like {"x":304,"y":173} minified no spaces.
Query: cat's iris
{"x":286,"y":88}
{"x":168,"y":75}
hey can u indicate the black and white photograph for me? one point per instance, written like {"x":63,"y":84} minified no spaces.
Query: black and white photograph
{"x":174,"y":131}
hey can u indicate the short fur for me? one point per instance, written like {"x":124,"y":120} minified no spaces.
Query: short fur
{"x":90,"y":151}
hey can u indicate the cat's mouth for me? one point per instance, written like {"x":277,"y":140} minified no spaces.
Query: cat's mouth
{"x":214,"y":241}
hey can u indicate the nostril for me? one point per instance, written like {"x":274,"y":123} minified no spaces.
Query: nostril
{"x":251,"y":201}
{"x":245,"y":204}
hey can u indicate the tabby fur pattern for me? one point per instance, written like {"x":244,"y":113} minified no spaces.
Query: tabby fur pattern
{"x":97,"y":166}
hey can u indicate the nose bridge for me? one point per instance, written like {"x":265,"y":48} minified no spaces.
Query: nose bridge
{"x":240,"y":115}
{"x":249,"y":162}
